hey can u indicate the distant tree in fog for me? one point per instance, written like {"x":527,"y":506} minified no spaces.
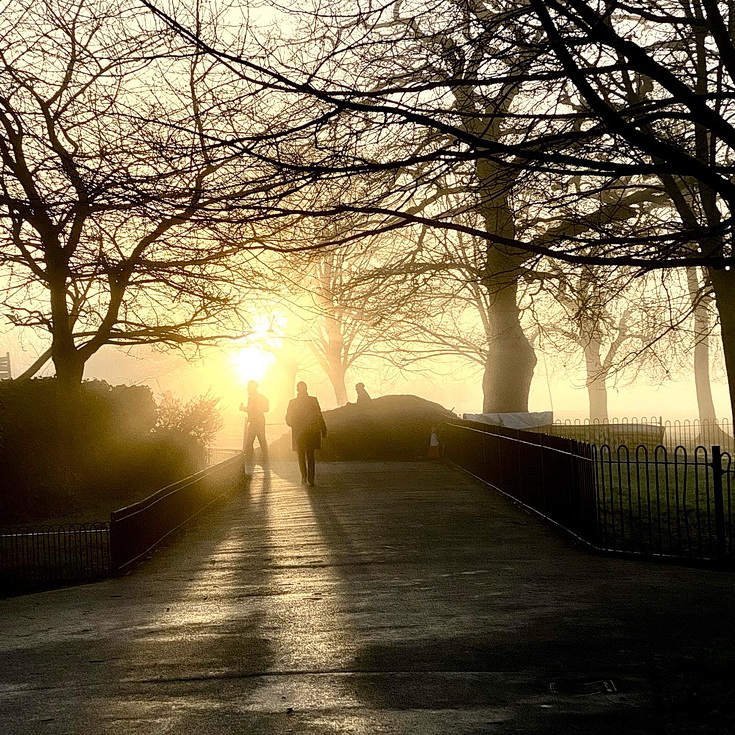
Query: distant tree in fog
{"x":335,"y":325}
{"x":621,"y":327}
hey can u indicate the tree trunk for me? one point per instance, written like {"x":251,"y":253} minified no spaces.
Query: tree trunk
{"x":69,"y":372}
{"x":596,"y":380}
{"x":68,"y":362}
{"x":334,"y":348}
{"x":723,"y":283}
{"x":510,"y":359}
{"x":337,"y":378}
{"x":700,"y":315}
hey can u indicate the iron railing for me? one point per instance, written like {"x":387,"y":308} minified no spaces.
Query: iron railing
{"x":38,"y":557}
{"x":33,"y":557}
{"x":649,"y":432}
{"x":658,"y":502}
{"x":138,"y":528}
{"x":552,"y":475}
{"x":655,"y":502}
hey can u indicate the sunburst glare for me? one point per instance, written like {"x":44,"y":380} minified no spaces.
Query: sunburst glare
{"x":253,"y":356}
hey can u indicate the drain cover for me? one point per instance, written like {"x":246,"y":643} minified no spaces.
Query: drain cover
{"x":599,"y":686}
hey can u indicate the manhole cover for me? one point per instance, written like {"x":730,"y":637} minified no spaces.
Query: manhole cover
{"x":599,"y":686}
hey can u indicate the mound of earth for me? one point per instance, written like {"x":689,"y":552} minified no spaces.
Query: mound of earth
{"x":386,"y":428}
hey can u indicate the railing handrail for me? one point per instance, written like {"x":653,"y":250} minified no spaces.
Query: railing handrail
{"x":487,"y":429}
{"x":123,"y":516}
{"x":653,"y":422}
{"x":645,"y":500}
{"x":174,"y":487}
{"x":41,"y":529}
{"x":68,"y":552}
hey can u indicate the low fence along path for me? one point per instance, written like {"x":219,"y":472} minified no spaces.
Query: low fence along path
{"x":393,"y":598}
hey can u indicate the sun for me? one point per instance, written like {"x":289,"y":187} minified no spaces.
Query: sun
{"x":251,"y":363}
{"x":253,"y":356}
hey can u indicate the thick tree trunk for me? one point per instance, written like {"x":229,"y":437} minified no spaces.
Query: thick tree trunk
{"x":700,"y":315}
{"x":510,"y":360}
{"x":337,"y":378}
{"x":68,"y":361}
{"x":703,"y":386}
{"x":334,"y":349}
{"x":723,"y":283}
{"x":69,"y":372}
{"x":596,"y":380}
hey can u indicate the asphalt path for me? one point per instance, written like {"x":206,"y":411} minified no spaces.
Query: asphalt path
{"x":391,"y":598}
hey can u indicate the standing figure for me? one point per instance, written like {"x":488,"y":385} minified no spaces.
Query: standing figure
{"x":255,"y":426}
{"x":304,"y":416}
{"x":362,"y":395}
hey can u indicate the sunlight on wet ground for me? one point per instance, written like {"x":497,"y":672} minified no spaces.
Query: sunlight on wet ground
{"x":390,"y":599}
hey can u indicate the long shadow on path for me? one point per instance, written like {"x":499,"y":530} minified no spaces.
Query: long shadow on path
{"x":392,"y":598}
{"x":143,"y":653}
{"x":466,"y":607}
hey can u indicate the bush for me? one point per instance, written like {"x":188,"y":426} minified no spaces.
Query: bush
{"x":101,"y":450}
{"x":192,"y":425}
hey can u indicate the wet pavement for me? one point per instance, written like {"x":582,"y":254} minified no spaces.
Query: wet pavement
{"x":391,"y":598}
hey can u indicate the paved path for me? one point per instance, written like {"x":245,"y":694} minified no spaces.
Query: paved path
{"x":393,"y":598}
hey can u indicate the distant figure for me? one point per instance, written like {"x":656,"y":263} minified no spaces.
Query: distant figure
{"x":362,"y":395}
{"x":304,"y":416}
{"x":434,"y":444}
{"x":255,"y":425}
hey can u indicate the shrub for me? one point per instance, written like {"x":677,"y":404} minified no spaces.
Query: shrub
{"x":104,"y":449}
{"x":192,"y":425}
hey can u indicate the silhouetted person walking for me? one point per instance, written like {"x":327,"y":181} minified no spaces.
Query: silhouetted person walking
{"x":255,"y":426}
{"x":304,"y":416}
{"x":362,"y":395}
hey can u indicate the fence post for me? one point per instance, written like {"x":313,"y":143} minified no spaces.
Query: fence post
{"x":717,"y":472}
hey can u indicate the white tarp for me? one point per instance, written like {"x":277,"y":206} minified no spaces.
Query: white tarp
{"x":518,"y":420}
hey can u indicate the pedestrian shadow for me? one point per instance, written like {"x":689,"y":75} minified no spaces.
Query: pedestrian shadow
{"x":206,"y":620}
{"x":325,"y":505}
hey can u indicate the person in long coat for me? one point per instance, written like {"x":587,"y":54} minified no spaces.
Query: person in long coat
{"x":304,"y":416}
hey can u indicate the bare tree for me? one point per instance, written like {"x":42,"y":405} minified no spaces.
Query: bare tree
{"x":589,"y":96}
{"x":430,"y":299}
{"x":317,"y":288}
{"x":110,"y":201}
{"x":617,"y":323}
{"x":677,"y":126}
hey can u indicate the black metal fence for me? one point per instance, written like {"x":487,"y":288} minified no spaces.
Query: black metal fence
{"x":137,"y":529}
{"x":38,"y":557}
{"x":649,"y":432}
{"x":654,"y":502}
{"x":665,"y":503}
{"x":552,"y":475}
{"x":33,"y":557}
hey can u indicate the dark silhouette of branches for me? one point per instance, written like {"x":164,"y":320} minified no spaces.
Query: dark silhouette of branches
{"x":114,"y":222}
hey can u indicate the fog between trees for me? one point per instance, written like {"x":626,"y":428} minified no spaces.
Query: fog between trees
{"x":479,"y":179}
